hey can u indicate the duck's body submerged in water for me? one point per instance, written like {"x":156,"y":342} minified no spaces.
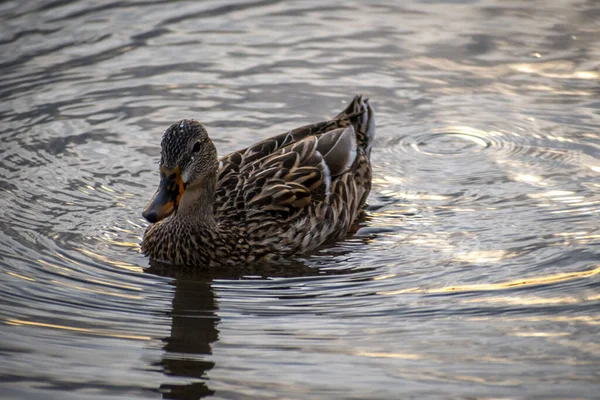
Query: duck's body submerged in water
{"x":284,"y":196}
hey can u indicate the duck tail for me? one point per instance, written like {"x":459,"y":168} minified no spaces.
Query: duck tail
{"x":362,"y":117}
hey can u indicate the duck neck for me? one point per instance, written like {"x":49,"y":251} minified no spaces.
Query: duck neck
{"x":197,"y":203}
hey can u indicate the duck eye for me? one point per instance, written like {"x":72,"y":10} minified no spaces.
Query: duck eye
{"x":196,"y":147}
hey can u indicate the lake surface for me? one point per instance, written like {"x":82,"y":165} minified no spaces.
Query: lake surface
{"x":475,"y":274}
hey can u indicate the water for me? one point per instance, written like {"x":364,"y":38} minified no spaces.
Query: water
{"x":476,"y":273}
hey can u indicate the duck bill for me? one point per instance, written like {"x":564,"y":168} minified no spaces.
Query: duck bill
{"x":166,"y":199}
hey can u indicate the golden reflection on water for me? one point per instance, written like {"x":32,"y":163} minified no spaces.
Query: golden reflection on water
{"x":20,"y":276}
{"x":106,"y":188}
{"x":561,"y":69}
{"x":529,"y":178}
{"x":430,"y":357}
{"x":99,"y":291}
{"x":530,"y":300}
{"x":556,"y":70}
{"x":68,"y":259}
{"x":482,"y":256}
{"x":550,"y":193}
{"x":585,"y":319}
{"x":488,"y":359}
{"x":134,"y":245}
{"x":48,"y":264}
{"x":557,"y":91}
{"x":134,"y":231}
{"x":118,"y":264}
{"x":542,"y":280}
{"x":576,"y":210}
{"x":539,"y":334}
{"x":382,"y":277}
{"x":578,"y":204}
{"x":435,"y":375}
{"x":95,"y":332}
{"x":404,"y":356}
{"x":437,"y":240}
{"x":385,"y":180}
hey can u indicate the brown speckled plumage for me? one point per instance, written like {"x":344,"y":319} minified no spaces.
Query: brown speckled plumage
{"x":283,"y":196}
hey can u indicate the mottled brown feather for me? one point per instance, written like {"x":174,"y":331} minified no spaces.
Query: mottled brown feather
{"x":282,"y":196}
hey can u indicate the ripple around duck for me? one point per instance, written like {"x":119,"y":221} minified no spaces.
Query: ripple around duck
{"x":521,"y":156}
{"x":501,"y":142}
{"x":451,"y":141}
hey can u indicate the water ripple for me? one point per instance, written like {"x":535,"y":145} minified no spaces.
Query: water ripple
{"x":473,"y":273}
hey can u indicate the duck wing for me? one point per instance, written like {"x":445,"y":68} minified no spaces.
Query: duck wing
{"x":281,"y":176}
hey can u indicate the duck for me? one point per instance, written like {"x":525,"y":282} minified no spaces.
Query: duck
{"x":279,"y":198}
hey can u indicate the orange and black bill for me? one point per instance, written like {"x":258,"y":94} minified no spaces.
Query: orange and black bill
{"x":167,"y":197}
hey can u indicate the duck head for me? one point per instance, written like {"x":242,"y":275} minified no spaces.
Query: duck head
{"x":188,"y":156}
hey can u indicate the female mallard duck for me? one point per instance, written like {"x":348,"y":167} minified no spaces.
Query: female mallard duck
{"x":283,"y":196}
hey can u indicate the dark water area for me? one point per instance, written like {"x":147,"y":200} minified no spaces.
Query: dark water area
{"x":475,"y":273}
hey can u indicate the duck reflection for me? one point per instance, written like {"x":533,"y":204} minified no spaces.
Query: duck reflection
{"x":195,"y":322}
{"x":193,"y":330}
